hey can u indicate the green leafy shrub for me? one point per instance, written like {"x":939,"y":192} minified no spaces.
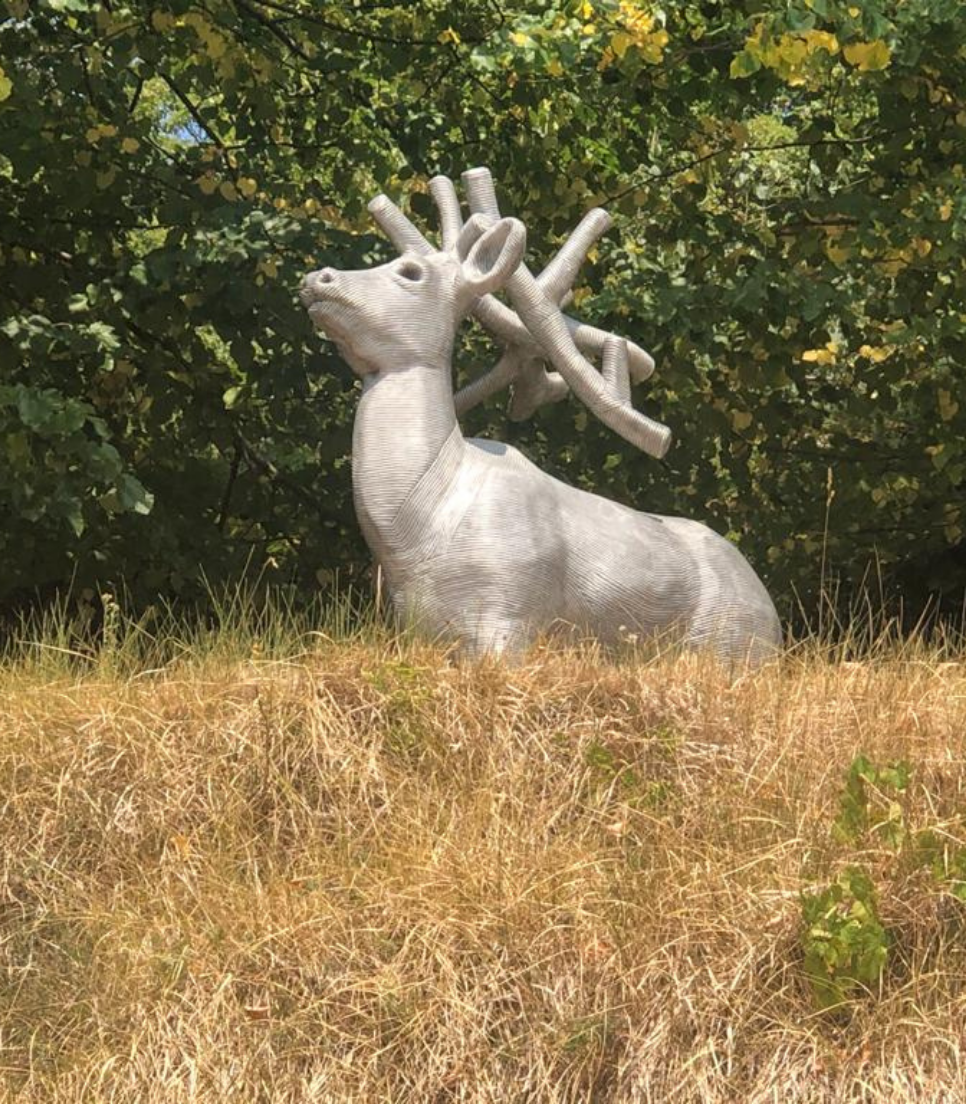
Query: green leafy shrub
{"x":845,"y":944}
{"x":871,"y":802}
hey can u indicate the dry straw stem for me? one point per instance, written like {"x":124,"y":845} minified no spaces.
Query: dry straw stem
{"x":366,"y":873}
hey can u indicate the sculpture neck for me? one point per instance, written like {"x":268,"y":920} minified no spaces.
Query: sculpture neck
{"x":404,"y":418}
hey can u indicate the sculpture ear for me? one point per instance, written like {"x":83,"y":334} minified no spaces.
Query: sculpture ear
{"x":490,"y":252}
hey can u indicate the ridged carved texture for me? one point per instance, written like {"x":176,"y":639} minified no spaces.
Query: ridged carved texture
{"x":476,"y":543}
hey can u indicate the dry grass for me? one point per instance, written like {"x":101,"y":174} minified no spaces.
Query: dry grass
{"x":361,"y":873}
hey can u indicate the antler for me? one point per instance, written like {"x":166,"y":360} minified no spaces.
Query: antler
{"x":541,"y":332}
{"x":523,"y":363}
{"x":607,"y":394}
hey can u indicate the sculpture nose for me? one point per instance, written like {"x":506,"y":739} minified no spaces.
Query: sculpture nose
{"x":314,"y":284}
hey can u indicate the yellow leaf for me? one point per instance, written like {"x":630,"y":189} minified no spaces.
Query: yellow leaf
{"x":923,"y":246}
{"x":5,"y":86}
{"x":619,"y":43}
{"x":248,"y":187}
{"x":945,"y":212}
{"x":875,"y":354}
{"x":449,"y":35}
{"x":818,"y":356}
{"x":105,"y":179}
{"x":836,"y":253}
{"x":162,"y":21}
{"x":741,"y":420}
{"x":820,"y":40}
{"x":93,"y":135}
{"x":554,"y":68}
{"x":227,"y":189}
{"x":947,"y":406}
{"x":208,"y":183}
{"x":83,"y":158}
{"x":518,"y":38}
{"x":588,"y":29}
{"x":130,"y":145}
{"x":637,"y":21}
{"x":586,"y":10}
{"x":652,"y":46}
{"x":868,"y":55}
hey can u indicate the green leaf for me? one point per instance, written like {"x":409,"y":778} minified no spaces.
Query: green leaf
{"x":133,"y":496}
{"x":744,"y":64}
{"x":231,"y":395}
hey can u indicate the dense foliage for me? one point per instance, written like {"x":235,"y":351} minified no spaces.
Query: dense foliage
{"x":789,"y":190}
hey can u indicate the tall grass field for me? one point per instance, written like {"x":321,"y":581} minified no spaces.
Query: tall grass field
{"x":273,"y":861}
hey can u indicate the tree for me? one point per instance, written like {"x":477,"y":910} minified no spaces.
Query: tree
{"x":790,"y":216}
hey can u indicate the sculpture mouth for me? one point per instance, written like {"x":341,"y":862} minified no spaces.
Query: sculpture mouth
{"x":311,"y":294}
{"x":323,"y":313}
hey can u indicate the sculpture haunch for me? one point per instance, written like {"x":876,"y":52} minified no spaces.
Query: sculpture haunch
{"x":477,"y":543}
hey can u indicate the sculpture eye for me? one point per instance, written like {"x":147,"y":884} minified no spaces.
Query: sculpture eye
{"x":409,"y":270}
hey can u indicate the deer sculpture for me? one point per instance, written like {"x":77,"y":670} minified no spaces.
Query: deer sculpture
{"x":475,"y":542}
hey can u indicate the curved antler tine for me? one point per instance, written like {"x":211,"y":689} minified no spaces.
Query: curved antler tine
{"x":479,"y":390}
{"x":593,"y":342}
{"x":557,"y":278}
{"x":481,"y":193}
{"x":547,"y":325}
{"x":614,"y":368}
{"x":450,"y":218}
{"x":533,"y":389}
{"x":503,"y":323}
{"x":397,"y":228}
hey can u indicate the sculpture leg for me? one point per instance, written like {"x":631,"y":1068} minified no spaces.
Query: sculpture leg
{"x":494,"y":637}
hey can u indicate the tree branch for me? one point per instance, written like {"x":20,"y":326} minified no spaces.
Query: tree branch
{"x":352,"y":32}
{"x":273,"y":29}
{"x":192,"y":110}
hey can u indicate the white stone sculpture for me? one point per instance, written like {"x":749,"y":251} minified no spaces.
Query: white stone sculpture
{"x":475,"y":542}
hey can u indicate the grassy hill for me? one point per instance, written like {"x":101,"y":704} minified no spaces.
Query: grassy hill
{"x":270,"y":867}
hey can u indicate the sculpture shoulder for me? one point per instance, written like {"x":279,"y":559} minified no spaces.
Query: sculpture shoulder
{"x":498,"y":454}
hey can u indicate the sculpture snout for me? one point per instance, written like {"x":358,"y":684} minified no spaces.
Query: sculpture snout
{"x":315,"y":285}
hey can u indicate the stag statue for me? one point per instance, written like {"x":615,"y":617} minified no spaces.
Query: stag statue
{"x":475,"y":542}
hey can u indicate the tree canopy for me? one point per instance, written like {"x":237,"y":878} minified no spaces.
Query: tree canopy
{"x":788,"y":188}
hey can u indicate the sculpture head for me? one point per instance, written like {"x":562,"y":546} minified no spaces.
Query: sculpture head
{"x":406,"y":312}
